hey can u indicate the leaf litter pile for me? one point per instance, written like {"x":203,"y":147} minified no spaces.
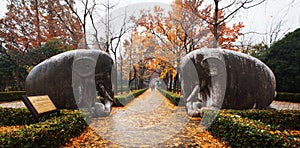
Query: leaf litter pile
{"x":5,"y":129}
{"x":148,"y":121}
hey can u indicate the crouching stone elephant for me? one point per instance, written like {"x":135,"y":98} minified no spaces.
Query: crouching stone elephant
{"x":218,"y":78}
{"x":72,"y":79}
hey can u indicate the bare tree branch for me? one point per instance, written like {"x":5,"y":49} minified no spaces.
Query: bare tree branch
{"x":94,"y":26}
{"x":73,"y":10}
{"x":228,"y":6}
{"x":242,"y":5}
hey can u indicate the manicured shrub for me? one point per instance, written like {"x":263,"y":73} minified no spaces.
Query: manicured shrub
{"x":289,"y":97}
{"x":12,"y":116}
{"x":122,"y":100}
{"x":278,"y":119}
{"x":119,"y":100}
{"x":11,"y":95}
{"x":240,"y":131}
{"x":173,"y":97}
{"x":52,"y":132}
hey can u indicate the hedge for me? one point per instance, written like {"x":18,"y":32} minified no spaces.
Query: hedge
{"x":281,"y":96}
{"x":51,"y":132}
{"x":119,"y":100}
{"x":289,"y":97}
{"x":237,"y":130}
{"x":123,"y":100}
{"x":11,"y":95}
{"x":278,"y":119}
{"x":20,"y":116}
{"x":173,"y":97}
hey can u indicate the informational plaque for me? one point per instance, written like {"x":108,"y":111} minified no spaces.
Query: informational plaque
{"x":42,"y":104}
{"x":39,"y":105}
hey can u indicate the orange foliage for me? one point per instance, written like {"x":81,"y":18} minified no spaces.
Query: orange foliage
{"x":169,"y":36}
{"x":28,"y":24}
{"x":189,"y":26}
{"x":144,"y":51}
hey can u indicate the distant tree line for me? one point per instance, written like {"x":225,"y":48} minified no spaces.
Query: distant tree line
{"x":283,"y":57}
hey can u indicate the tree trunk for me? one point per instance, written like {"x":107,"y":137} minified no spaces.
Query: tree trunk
{"x":121,"y":66}
{"x":115,"y":81}
{"x":36,"y":7}
{"x":216,"y":24}
{"x":175,"y":84}
{"x":51,"y":22}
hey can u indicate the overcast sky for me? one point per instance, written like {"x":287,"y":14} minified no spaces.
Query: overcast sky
{"x":257,"y":19}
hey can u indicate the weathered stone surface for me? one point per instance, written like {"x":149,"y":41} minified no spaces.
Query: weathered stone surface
{"x":218,"y":78}
{"x":72,"y":78}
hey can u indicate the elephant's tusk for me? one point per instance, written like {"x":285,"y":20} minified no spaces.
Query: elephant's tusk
{"x":194,"y":93}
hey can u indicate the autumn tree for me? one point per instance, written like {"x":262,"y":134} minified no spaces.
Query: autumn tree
{"x":63,"y":25}
{"x":29,"y":23}
{"x":191,"y":25}
{"x":218,"y":19}
{"x":146,"y":59}
{"x":135,"y":51}
{"x":186,"y":15}
{"x":219,"y":13}
{"x":174,"y":31}
{"x":180,"y":31}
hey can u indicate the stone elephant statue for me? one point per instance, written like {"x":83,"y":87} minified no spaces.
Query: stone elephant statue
{"x":72,"y":79}
{"x":224,"y":79}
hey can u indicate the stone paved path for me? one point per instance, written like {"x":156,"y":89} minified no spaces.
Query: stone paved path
{"x":148,"y":121}
{"x":14,"y":104}
{"x":281,"y":105}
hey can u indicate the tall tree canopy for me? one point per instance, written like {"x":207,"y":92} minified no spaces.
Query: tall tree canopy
{"x":283,"y":57}
{"x":29,"y":23}
{"x":190,"y":25}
